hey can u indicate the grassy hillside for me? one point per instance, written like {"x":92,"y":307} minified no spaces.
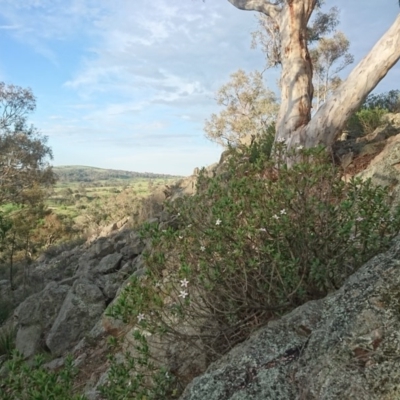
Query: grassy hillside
{"x":78,"y":173}
{"x":82,"y":191}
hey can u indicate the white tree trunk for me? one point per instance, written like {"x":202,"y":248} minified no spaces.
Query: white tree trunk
{"x":294,"y":124}
{"x":332,"y":116}
{"x":296,"y":77}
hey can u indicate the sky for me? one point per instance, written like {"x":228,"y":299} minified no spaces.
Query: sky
{"x":128,"y":84}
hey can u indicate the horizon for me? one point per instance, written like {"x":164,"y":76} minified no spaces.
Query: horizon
{"x":128,"y":86}
{"x":117,"y":170}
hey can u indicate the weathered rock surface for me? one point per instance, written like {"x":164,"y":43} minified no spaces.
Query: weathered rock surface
{"x":390,"y":127}
{"x":384,"y":169}
{"x":356,"y":153}
{"x":73,"y":289}
{"x":36,"y":315}
{"x":346,"y":346}
{"x":81,"y":309}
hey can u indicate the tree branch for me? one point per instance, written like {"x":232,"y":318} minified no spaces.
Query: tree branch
{"x":262,"y":6}
{"x":334,"y":113}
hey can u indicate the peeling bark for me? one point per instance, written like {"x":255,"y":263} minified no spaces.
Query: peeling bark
{"x":332,"y":116}
{"x":296,"y":76}
{"x":294,"y":123}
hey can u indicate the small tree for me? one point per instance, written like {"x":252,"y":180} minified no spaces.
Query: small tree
{"x":25,"y":173}
{"x":249,"y":109}
{"x":23,"y":151}
{"x":329,"y":52}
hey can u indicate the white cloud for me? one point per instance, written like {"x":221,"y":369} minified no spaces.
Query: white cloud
{"x":147,"y":70}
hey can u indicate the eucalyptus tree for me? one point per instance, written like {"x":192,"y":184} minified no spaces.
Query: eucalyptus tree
{"x":294,"y":123}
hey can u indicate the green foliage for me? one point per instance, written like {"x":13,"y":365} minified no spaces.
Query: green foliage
{"x":255,"y":242}
{"x":137,"y":377}
{"x":389,"y":101}
{"x":35,"y":382}
{"x":366,"y":120}
{"x":249,"y":107}
{"x":76,"y":173}
{"x":5,"y":226}
{"x":375,"y":106}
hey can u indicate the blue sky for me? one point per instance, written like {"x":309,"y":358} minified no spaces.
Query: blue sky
{"x":127,"y":84}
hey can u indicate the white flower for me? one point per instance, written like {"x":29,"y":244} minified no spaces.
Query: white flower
{"x":189,"y":226}
{"x":141,"y":317}
{"x":359,"y":219}
{"x":281,"y":140}
{"x":275,"y":217}
{"x":283,"y":211}
{"x":183,"y":294}
{"x":180,"y":237}
{"x":263,"y":229}
{"x":202,"y":248}
{"x":158,"y":284}
{"x":218,"y":222}
{"x":184,"y":282}
{"x":301,"y":147}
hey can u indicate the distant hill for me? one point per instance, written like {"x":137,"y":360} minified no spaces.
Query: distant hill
{"x":79,"y":173}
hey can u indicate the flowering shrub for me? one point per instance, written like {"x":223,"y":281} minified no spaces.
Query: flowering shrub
{"x":255,"y":242}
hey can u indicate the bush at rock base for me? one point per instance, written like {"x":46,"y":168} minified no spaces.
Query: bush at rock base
{"x":255,"y":242}
{"x":34,"y":382}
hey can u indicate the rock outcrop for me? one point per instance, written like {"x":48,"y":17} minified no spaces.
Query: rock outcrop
{"x":346,"y":346}
{"x":384,"y":169}
{"x":78,"y":285}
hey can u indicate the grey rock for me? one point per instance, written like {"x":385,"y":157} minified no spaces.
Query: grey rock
{"x":55,"y":364}
{"x":390,"y":127}
{"x":109,"y":264}
{"x":34,"y":317}
{"x":119,"y":245}
{"x":139,"y":272}
{"x":384,"y":169}
{"x":109,"y":284}
{"x":29,"y":340}
{"x":82,"y":307}
{"x":85,"y":267}
{"x":126,"y":270}
{"x":103,"y":247}
{"x":78,"y":361}
{"x":133,"y":247}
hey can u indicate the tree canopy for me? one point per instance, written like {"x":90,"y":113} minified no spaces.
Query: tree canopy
{"x":24,"y":154}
